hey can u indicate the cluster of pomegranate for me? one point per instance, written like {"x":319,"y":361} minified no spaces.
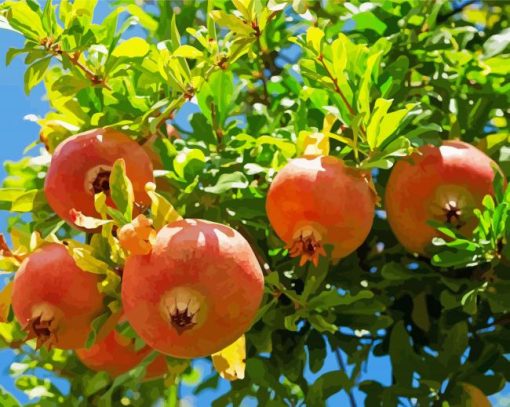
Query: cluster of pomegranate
{"x":317,"y":201}
{"x":191,"y":293}
{"x":193,"y":287}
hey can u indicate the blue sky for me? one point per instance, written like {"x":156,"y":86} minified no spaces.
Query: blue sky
{"x":16,"y":133}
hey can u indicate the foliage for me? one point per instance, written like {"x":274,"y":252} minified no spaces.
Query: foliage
{"x":375,"y":80}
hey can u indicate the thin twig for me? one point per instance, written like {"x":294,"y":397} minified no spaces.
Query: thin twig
{"x":342,"y":366}
{"x":339,"y":91}
{"x":262,"y":64}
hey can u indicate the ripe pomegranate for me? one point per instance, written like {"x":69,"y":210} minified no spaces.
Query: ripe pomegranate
{"x":196,"y":292}
{"x":116,"y":355}
{"x":54,"y":300}
{"x":81,"y":166}
{"x":437,"y":183}
{"x":317,"y":201}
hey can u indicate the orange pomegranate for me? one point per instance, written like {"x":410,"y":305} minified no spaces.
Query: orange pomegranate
{"x":442,"y":183}
{"x":317,"y":201}
{"x":116,"y":355}
{"x":54,"y":300}
{"x":196,"y":292}
{"x":81,"y":166}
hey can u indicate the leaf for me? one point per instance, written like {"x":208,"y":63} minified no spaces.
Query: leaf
{"x":420,"y":313}
{"x":121,"y":189}
{"x":314,"y":36}
{"x":189,"y":163}
{"x":325,"y":386}
{"x":333,"y":298}
{"x":87,"y":222}
{"x":84,"y":257}
{"x":187,"y":51}
{"x":380,"y":109}
{"x":35,"y":73}
{"x":231,"y":22}
{"x":497,"y":43}
{"x":135,"y":47}
{"x":403,"y":358}
{"x":228,"y":182}
{"x":27,"y":201}
{"x":230,"y":362}
{"x":162,"y":210}
{"x":5,"y":301}
{"x":454,"y":346}
{"x":25,"y":20}
{"x":7,"y":399}
{"x":98,"y":382}
{"x":312,"y":144}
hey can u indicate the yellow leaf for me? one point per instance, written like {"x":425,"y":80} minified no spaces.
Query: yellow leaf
{"x":313,"y":144}
{"x":5,"y":301}
{"x":230,"y":362}
{"x":187,"y":51}
{"x":163,"y":211}
{"x":132,"y":48}
{"x":314,"y":37}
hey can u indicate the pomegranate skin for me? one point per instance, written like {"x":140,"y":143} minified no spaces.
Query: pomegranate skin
{"x":196,"y":293}
{"x":70,"y":183}
{"x":50,"y":288}
{"x":116,"y":355}
{"x":437,"y":183}
{"x":324,"y":194}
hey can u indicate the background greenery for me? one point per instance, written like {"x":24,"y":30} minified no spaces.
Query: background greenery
{"x":376,"y":79}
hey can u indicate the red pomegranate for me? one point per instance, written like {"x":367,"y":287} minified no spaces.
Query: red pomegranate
{"x":317,"y":201}
{"x":437,"y":183}
{"x":196,"y":292}
{"x":81,"y":166}
{"x":54,"y":300}
{"x":116,"y":355}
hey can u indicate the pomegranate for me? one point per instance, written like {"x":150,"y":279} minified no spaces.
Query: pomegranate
{"x":81,"y":166}
{"x":317,"y":201}
{"x":116,"y":355}
{"x":54,"y":300}
{"x":196,"y":292}
{"x":437,"y":183}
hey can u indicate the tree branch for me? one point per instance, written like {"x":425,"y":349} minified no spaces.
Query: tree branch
{"x":342,"y":366}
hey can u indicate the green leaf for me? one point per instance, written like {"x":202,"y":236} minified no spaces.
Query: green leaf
{"x":402,"y":355}
{"x":189,"y":163}
{"x":7,"y":399}
{"x":454,"y":346}
{"x":135,"y":47}
{"x":333,"y":298}
{"x":121,"y":189}
{"x":94,"y":384}
{"x":226,"y":182}
{"x":325,"y":386}
{"x":35,"y":73}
